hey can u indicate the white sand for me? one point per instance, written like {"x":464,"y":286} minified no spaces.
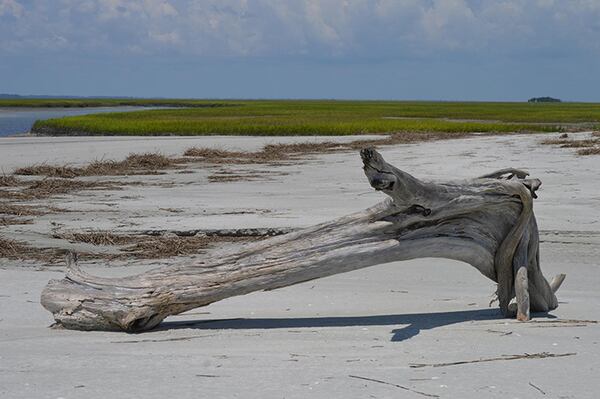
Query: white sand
{"x":309,"y":339}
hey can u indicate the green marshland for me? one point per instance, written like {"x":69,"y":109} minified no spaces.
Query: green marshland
{"x":314,"y":117}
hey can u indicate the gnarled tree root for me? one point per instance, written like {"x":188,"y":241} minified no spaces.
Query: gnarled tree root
{"x":487,"y":222}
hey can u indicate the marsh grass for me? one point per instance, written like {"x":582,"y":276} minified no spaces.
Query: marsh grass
{"x":331,"y":118}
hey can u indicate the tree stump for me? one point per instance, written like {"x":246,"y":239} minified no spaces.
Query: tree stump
{"x":487,"y":222}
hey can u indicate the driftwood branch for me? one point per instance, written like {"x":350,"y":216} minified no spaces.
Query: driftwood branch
{"x":487,"y":222}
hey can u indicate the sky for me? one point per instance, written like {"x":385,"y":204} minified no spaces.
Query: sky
{"x":480,"y":50}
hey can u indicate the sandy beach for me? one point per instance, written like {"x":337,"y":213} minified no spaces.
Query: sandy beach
{"x":385,"y":331}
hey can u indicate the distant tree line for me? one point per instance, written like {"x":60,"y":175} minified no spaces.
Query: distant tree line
{"x":543,"y":100}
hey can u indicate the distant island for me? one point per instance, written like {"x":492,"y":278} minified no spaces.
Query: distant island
{"x":543,"y":100}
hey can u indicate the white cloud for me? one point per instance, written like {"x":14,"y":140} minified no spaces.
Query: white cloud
{"x":317,"y":28}
{"x":165,"y":38}
{"x":135,"y":9}
{"x":451,"y":24}
{"x":10,"y":7}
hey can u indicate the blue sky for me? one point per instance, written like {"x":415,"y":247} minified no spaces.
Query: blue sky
{"x":363,"y":49}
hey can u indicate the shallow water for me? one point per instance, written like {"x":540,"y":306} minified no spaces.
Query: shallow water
{"x":20,"y":120}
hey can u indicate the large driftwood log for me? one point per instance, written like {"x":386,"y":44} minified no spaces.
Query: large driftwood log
{"x":487,"y":222}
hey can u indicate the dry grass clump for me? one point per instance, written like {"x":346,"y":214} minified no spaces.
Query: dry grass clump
{"x":49,"y":171}
{"x":227,"y":178}
{"x":400,"y":138}
{"x":13,"y":214}
{"x":11,"y":249}
{"x":585,"y":147}
{"x":7,"y":221}
{"x":138,"y":247}
{"x":146,"y":163}
{"x":12,"y":195}
{"x":8,"y":181}
{"x":241,"y":175}
{"x":144,"y":247}
{"x":18,"y":250}
{"x":19,"y":210}
{"x":217,"y":156}
{"x":133,"y":246}
{"x":45,"y":188}
{"x":294,"y":149}
{"x":212,"y":153}
{"x":165,"y":247}
{"x":60,"y":179}
{"x":269,"y":153}
{"x":49,"y":187}
{"x":282,"y":152}
{"x":579,"y":143}
{"x":589,"y":151}
{"x":95,"y":238}
{"x":133,"y":164}
{"x":558,"y":141}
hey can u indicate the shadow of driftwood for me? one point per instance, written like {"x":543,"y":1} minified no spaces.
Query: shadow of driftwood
{"x":415,"y":323}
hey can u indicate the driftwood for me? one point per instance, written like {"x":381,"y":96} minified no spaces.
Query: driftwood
{"x":487,"y":222}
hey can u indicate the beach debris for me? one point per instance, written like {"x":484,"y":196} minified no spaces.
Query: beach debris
{"x":541,"y":355}
{"x":163,"y":339}
{"x":429,"y":395}
{"x":562,"y":323}
{"x":536,"y":388}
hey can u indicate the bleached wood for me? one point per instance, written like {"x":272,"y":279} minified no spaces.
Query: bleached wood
{"x":480,"y":221}
{"x":557,"y":282}
{"x":522,"y":294}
